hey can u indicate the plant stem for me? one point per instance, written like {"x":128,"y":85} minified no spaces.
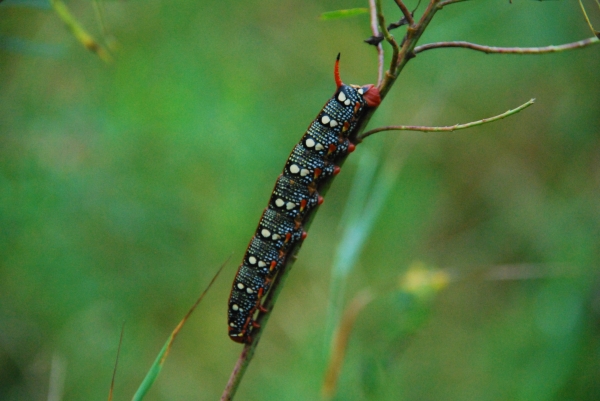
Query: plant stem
{"x":375,"y":30}
{"x":405,"y":11}
{"x":509,"y":50}
{"x":449,"y":128}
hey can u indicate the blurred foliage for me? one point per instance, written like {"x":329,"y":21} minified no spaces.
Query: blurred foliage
{"x":123,"y":187}
{"x":343,"y":13}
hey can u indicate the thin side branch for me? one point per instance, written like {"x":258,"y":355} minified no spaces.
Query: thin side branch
{"x":587,"y":19}
{"x":375,"y":30}
{"x":509,"y":50}
{"x":388,"y":37}
{"x":405,"y":11}
{"x":447,"y":128}
{"x":447,"y":2}
{"x":413,"y":34}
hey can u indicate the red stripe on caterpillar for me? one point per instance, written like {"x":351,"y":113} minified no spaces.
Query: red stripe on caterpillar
{"x":311,"y":163}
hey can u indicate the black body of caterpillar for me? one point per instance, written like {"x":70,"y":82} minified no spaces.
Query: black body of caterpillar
{"x":311,"y":162}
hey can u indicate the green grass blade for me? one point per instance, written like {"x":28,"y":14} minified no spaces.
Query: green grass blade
{"x":154,"y":370}
{"x":79,"y":31}
{"x":366,"y":200}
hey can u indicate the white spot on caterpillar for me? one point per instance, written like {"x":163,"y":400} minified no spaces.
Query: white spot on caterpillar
{"x":252,"y":260}
{"x":235,"y":307}
{"x":319,"y":147}
{"x":360,"y":91}
{"x":342,"y":96}
{"x":325,"y":120}
{"x":333,"y":123}
{"x":290,"y":205}
{"x":249,"y":290}
{"x":347,"y":102}
{"x":261,"y":264}
{"x":276,"y":236}
{"x":265,"y":233}
{"x":310,"y":143}
{"x":240,"y":286}
{"x":294,"y":169}
{"x":304,"y":172}
{"x":232,"y":324}
{"x":279,"y":202}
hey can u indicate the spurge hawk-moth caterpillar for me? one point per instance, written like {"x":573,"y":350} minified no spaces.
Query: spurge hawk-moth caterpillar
{"x":311,"y":163}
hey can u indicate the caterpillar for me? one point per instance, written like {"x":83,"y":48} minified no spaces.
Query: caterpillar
{"x":296,"y":193}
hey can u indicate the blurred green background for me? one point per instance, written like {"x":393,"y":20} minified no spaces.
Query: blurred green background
{"x":123,"y":187}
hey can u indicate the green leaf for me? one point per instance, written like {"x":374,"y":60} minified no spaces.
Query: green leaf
{"x":350,"y":12}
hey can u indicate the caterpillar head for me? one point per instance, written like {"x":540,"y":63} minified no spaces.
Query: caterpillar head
{"x":370,"y":93}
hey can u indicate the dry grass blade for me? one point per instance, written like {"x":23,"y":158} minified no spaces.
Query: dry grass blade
{"x":340,"y":342}
{"x":164,"y":352}
{"x":419,"y":281}
{"x":112,"y":382}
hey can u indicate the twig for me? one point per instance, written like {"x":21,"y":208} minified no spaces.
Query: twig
{"x":447,"y":2}
{"x":375,"y":30}
{"x":406,"y":12}
{"x":595,"y":32}
{"x":406,"y":53}
{"x":509,"y":50}
{"x":388,"y":37}
{"x":447,"y":128}
{"x":524,"y":271}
